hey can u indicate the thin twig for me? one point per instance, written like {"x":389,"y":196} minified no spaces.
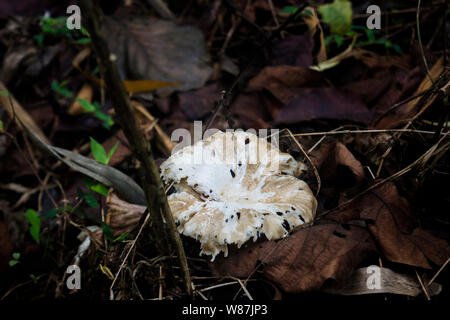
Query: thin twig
{"x":419,"y":38}
{"x":316,"y":172}
{"x":422,"y":285}
{"x":438,"y":272}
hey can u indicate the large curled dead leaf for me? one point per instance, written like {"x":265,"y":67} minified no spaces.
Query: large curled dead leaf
{"x":150,"y":48}
{"x":303,"y":261}
{"x":392,"y":225}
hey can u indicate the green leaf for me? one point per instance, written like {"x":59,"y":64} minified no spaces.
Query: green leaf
{"x":99,"y":188}
{"x":339,"y":40}
{"x":12,"y":263}
{"x":83,"y":41}
{"x":108,"y":122}
{"x":1,"y":125}
{"x":50,"y":213}
{"x":87,"y":105}
{"x":107,"y":231}
{"x":288,"y":9}
{"x":98,"y":151}
{"x":59,"y":88}
{"x":35,"y":221}
{"x":91,"y":200}
{"x":122,"y":237}
{"x":88,"y":197}
{"x":338,"y":15}
{"x":16,"y":255}
{"x":111,"y":152}
{"x":4,"y":93}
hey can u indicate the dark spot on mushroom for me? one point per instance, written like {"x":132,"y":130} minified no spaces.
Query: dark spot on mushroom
{"x":293,"y":209}
{"x":232,"y":173}
{"x":287,"y":211}
{"x":301,"y":218}
{"x":232,"y":216}
{"x":177,"y":223}
{"x":339,"y":235}
{"x":240,"y":164}
{"x":180,"y":169}
{"x":225,"y":240}
{"x":286,"y":225}
{"x":210,"y":191}
{"x":226,"y":220}
{"x":279,"y":213}
{"x":238,"y":215}
{"x":300,"y":189}
{"x":215,"y":236}
{"x":247,"y":141}
{"x":195,"y":185}
{"x":265,"y":214}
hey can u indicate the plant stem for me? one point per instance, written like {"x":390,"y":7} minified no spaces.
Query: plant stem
{"x":161,"y":216}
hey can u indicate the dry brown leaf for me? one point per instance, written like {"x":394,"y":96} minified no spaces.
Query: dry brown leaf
{"x":323,"y":103}
{"x":150,"y":48}
{"x":304,"y":260}
{"x":315,"y":30}
{"x":392,"y":225}
{"x":283,"y":81}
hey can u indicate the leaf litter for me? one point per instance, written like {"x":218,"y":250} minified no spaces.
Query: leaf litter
{"x":367,"y":87}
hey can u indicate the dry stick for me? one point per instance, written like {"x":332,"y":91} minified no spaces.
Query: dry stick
{"x":316,"y":172}
{"x":421,"y":283}
{"x":438,"y":272}
{"x":156,"y":198}
{"x":419,"y":38}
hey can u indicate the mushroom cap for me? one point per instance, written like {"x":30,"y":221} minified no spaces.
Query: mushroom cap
{"x":234,"y":186}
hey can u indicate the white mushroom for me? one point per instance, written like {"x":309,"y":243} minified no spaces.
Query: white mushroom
{"x":234,"y":186}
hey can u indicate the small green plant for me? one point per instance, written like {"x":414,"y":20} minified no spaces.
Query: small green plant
{"x":108,"y":233}
{"x":15,"y":259}
{"x":88,"y":107}
{"x":1,"y":125}
{"x":101,"y":156}
{"x":4,"y":93}
{"x":35,"y":224}
{"x":99,"y":152}
{"x":57,"y":27}
{"x":88,"y":197}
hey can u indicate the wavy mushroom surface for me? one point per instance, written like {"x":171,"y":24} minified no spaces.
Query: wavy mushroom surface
{"x":234,"y":186}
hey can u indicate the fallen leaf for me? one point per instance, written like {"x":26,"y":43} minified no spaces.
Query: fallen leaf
{"x":392,"y":225}
{"x":390,"y":282}
{"x":294,"y":50}
{"x":331,"y":158}
{"x":316,"y":33}
{"x":304,"y":260}
{"x":284,"y":81}
{"x":150,"y":48}
{"x":198,"y":103}
{"x":322,"y":103}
